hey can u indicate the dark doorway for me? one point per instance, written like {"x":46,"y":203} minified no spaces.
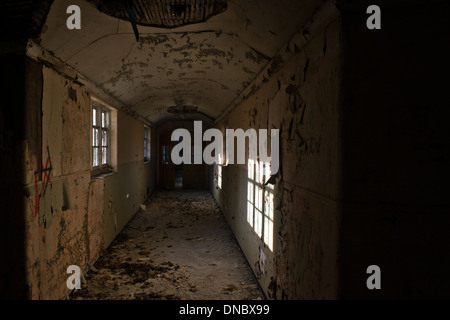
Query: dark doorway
{"x":183,"y":176}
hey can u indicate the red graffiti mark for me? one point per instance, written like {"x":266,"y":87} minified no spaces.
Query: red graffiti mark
{"x":46,"y":170}
{"x":46,"y":179}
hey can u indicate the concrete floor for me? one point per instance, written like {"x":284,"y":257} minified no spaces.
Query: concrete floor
{"x":179,"y":247}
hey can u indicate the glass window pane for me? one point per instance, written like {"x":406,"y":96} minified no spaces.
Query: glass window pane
{"x":104,"y":155}
{"x":104,"y":138}
{"x":94,"y":116}
{"x":96,"y":157}
{"x":96,"y":137}
{"x":103,"y":119}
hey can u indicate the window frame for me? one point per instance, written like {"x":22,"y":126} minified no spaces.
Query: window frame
{"x":104,"y":166}
{"x":166,"y":155}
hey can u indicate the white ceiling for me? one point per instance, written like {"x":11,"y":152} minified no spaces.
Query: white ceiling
{"x":206,"y":65}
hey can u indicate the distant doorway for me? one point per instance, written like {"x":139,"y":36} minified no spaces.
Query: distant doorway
{"x":183,"y":176}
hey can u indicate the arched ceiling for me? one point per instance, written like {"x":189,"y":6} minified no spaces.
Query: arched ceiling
{"x":202,"y":66}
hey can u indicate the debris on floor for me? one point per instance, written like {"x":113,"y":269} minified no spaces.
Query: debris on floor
{"x":178,"y":247}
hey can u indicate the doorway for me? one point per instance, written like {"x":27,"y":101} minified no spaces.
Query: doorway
{"x":183,"y":176}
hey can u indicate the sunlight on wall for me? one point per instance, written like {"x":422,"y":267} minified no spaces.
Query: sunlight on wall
{"x":219,"y":176}
{"x":260,"y":201}
{"x":218,"y":173}
{"x":268,"y":217}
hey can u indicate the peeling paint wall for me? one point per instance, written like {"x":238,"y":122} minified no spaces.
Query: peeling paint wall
{"x":303,"y":100}
{"x":71,"y":217}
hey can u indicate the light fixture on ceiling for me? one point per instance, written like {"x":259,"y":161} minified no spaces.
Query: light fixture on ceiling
{"x":163,"y":13}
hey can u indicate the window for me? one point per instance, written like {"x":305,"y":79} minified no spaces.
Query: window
{"x":147,"y":141}
{"x":101,"y":139}
{"x":166,"y":154}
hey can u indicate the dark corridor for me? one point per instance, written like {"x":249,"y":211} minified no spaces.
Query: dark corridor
{"x":354,"y":94}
